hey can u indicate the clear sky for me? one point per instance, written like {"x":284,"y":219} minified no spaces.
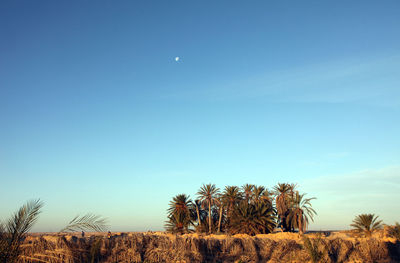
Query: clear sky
{"x":96,"y":115}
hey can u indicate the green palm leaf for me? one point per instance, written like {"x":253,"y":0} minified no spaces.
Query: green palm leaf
{"x":88,"y":222}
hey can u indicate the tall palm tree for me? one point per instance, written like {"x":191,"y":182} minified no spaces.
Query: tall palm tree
{"x":231,"y":197}
{"x":258,"y":192}
{"x":201,"y":217}
{"x":282,"y":192}
{"x":366,"y":224}
{"x":248,"y":191}
{"x":197,"y":205}
{"x":208,"y":195}
{"x":267,"y":197}
{"x":300,"y":211}
{"x":221,"y":210}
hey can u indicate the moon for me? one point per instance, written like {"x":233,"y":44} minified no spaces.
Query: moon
{"x":177,"y":59}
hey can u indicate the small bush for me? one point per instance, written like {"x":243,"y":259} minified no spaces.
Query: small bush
{"x":312,"y":248}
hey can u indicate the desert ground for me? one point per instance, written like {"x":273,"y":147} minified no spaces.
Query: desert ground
{"x":326,"y":246}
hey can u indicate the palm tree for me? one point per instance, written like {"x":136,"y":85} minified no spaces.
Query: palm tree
{"x":180,"y":214}
{"x":208,"y":195}
{"x":12,"y":233}
{"x":221,"y":210}
{"x":197,"y":205}
{"x":248,"y":191}
{"x":267,"y":197}
{"x":181,"y":204}
{"x":282,"y":191}
{"x":300,"y":211}
{"x":267,"y":214}
{"x":252,"y":219}
{"x":178,"y":223}
{"x":231,"y":197}
{"x":366,"y":224}
{"x":258,"y":192}
{"x":16,"y":228}
{"x":201,"y":216}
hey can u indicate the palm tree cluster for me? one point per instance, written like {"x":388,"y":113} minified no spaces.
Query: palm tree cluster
{"x":250,"y":209}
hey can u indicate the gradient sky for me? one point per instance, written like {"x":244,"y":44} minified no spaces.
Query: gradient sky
{"x":97,"y":116}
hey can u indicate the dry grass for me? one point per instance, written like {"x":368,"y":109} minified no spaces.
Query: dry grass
{"x":160,"y":247}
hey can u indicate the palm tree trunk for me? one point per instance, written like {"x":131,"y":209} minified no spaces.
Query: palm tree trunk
{"x":220,"y":219}
{"x":301,"y":223}
{"x":198,"y":215}
{"x":209,"y":217}
{"x":301,"y":228}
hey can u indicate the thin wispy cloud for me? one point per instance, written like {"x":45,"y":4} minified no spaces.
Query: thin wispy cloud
{"x":372,"y":81}
{"x":326,"y":159}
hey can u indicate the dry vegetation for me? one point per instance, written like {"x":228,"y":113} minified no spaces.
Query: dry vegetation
{"x":247,"y":218}
{"x":162,"y":247}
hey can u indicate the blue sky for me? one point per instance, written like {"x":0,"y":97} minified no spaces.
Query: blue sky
{"x":97,"y":116}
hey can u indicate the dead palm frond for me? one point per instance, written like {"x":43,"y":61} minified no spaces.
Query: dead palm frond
{"x":88,"y":222}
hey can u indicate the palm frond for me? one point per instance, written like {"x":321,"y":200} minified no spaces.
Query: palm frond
{"x":13,"y":232}
{"x":24,"y":219}
{"x":88,"y":222}
{"x":252,"y":219}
